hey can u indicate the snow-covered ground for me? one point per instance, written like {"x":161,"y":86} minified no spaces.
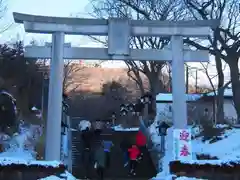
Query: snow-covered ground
{"x":230,"y":152}
{"x":20,"y":150}
{"x":20,"y":156}
{"x":64,"y":176}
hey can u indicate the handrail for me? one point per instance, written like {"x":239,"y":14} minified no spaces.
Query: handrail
{"x":69,"y":144}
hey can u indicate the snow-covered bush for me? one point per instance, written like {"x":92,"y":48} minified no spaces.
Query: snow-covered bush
{"x":22,"y":142}
{"x":165,"y":115}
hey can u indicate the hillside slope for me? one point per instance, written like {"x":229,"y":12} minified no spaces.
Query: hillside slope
{"x":91,"y":79}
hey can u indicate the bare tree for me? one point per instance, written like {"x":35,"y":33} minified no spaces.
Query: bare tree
{"x":70,"y":69}
{"x":142,"y":10}
{"x":218,"y":116}
{"x":224,"y":43}
{"x":3,"y":9}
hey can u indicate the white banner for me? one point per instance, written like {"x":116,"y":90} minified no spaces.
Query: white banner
{"x":182,"y":148}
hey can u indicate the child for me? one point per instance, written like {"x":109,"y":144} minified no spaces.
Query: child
{"x":134,"y":152}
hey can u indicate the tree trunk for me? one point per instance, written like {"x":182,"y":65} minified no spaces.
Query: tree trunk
{"x":220,"y":93}
{"x":156,"y":86}
{"x":234,"y":73}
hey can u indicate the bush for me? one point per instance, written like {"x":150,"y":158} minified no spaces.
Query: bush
{"x":212,"y":132}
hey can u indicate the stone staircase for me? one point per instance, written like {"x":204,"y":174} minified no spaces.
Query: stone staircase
{"x":145,"y":169}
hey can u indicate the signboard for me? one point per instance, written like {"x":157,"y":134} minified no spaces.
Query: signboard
{"x":182,"y":149}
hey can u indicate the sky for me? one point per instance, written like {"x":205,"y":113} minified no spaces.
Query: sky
{"x":62,"y":8}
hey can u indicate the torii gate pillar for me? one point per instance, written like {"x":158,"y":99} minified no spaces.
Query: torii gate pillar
{"x":178,"y":83}
{"x":53,"y":130}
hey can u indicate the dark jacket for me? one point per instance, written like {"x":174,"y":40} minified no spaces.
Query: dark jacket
{"x":100,"y":157}
{"x":86,"y":139}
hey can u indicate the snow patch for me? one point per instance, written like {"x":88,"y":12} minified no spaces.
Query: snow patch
{"x":16,"y":155}
{"x":34,"y":108}
{"x":120,"y":128}
{"x":64,"y":176}
{"x":21,"y":160}
{"x":188,"y":178}
{"x":231,"y":148}
{"x":230,"y":152}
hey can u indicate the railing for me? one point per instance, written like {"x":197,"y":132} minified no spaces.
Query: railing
{"x":66,"y":148}
{"x":69,"y":145}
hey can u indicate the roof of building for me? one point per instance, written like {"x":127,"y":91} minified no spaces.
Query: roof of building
{"x":227,"y":93}
{"x":168,"y":97}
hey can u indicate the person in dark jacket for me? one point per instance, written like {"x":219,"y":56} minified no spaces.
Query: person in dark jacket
{"x":107,"y":149}
{"x":87,"y":136}
{"x":100,"y":160}
{"x":125,"y":145}
{"x":86,"y":153}
{"x":134,"y":153}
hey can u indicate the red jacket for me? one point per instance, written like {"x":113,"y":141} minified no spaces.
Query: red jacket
{"x":133,"y":152}
{"x":141,"y":139}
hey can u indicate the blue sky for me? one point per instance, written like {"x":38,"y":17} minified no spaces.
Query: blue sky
{"x":60,"y":8}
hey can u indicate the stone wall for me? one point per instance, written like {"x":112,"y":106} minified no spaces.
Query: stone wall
{"x":225,"y":171}
{"x":28,"y":172}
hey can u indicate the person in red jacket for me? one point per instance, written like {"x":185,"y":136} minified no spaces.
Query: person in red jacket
{"x":134,"y":153}
{"x":141,"y":141}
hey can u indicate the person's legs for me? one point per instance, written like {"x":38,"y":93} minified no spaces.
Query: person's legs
{"x":131,"y":166}
{"x":107,"y":159}
{"x":134,"y":164}
{"x":141,"y":148}
{"x":126,"y":158}
{"x":100,"y":172}
{"x":86,"y":162}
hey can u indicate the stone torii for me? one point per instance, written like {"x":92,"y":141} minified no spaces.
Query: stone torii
{"x":119,"y":32}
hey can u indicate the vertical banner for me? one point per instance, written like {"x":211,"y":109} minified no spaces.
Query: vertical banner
{"x":182,"y":148}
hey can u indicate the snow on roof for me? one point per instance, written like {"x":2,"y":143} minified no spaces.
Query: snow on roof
{"x":120,"y":128}
{"x":227,"y":93}
{"x":188,"y":178}
{"x":168,"y":97}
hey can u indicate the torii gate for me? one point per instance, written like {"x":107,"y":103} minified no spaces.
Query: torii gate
{"x":119,"y":32}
